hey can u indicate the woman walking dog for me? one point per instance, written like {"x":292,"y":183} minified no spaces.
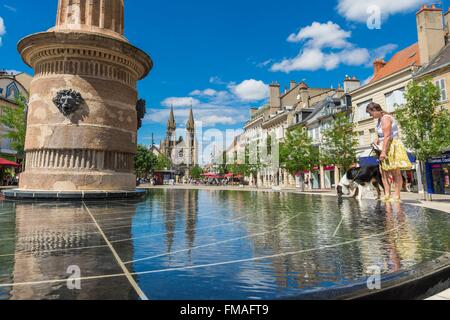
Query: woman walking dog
{"x":393,"y":157}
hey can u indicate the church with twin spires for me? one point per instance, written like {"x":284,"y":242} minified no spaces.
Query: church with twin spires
{"x":183,"y":152}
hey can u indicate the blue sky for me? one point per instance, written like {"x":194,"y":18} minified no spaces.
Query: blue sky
{"x":219,"y":55}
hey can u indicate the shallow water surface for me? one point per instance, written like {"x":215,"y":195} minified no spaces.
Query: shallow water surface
{"x":194,"y":244}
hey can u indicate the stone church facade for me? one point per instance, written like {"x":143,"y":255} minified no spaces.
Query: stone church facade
{"x":183,"y":152}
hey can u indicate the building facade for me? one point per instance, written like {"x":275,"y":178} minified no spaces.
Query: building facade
{"x":183,"y":152}
{"x":388,"y":85}
{"x":438,"y":70}
{"x":271,"y":121}
{"x":11,"y":87}
{"x":317,"y":120}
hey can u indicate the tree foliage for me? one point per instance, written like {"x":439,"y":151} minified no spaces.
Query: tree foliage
{"x":297,"y":152}
{"x":196,"y":172}
{"x":425,"y":127}
{"x":163,"y":163}
{"x":339,"y":143}
{"x":144,"y":162}
{"x":14,"y":118}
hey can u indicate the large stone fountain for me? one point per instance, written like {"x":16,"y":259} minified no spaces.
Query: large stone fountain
{"x":82,"y":120}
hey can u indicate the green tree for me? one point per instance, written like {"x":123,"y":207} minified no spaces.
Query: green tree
{"x":163,"y":163}
{"x":339,"y":143}
{"x":297,"y":152}
{"x":425,"y":126}
{"x":14,"y":118}
{"x":196,"y":172}
{"x":144,"y":162}
{"x":222,"y":166}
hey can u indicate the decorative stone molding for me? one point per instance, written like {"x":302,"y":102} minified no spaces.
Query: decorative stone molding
{"x":93,"y":160}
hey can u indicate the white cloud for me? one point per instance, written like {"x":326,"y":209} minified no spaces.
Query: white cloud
{"x":250,"y":90}
{"x":206,"y":92}
{"x":315,"y":59}
{"x":214,"y":107}
{"x":264,"y":63}
{"x":327,"y":46}
{"x":322,"y":35}
{"x":357,"y":10}
{"x":383,"y":51}
{"x":180,"y":102}
{"x":2,"y":29}
{"x":216,"y":80}
{"x":355,"y":56}
{"x":10,"y":8}
{"x":366,"y":81}
{"x":208,"y":115}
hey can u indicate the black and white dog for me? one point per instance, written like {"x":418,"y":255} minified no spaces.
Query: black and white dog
{"x":357,"y":180}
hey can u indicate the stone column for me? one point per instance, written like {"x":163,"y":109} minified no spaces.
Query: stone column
{"x":82,"y":109}
{"x":322,"y":178}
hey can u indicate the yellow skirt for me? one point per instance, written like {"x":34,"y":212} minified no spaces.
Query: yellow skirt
{"x":397,"y":157}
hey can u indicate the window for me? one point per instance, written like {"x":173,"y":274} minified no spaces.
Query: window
{"x":361,"y":113}
{"x":362,"y":140}
{"x":441,"y":85}
{"x":373,"y":135}
{"x":394,"y":99}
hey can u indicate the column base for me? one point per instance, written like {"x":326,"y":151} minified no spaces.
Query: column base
{"x":63,"y":181}
{"x":18,"y":194}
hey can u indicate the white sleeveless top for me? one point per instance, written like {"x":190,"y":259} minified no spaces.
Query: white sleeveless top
{"x":394,"y":128}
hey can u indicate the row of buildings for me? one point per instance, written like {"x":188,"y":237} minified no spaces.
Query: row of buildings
{"x":12,"y":86}
{"x":313,"y":108}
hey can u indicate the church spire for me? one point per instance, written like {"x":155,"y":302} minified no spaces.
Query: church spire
{"x":171,"y":124}
{"x":190,"y":126}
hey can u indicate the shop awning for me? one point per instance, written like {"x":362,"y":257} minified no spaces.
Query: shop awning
{"x":7,"y":163}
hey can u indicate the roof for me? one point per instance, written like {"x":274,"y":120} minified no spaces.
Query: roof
{"x":403,"y":59}
{"x":440,"y":61}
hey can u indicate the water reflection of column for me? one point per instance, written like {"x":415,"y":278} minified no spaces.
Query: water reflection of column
{"x":50,"y":238}
{"x":170,"y":208}
{"x":191,"y":208}
{"x":7,"y":245}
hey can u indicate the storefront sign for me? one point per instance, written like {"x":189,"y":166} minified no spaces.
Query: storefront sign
{"x":441,"y":160}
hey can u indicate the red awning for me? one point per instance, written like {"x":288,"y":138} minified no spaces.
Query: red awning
{"x":7,"y":163}
{"x":229,"y":175}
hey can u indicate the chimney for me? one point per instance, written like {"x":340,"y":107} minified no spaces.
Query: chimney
{"x":304,"y":94}
{"x":447,"y":25}
{"x":430,"y":30}
{"x":274,"y":101}
{"x":252,"y":112}
{"x":351,"y":84}
{"x":293,"y":84}
{"x":378,"y":64}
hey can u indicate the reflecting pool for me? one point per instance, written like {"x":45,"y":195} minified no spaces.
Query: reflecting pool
{"x":198,"y":244}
